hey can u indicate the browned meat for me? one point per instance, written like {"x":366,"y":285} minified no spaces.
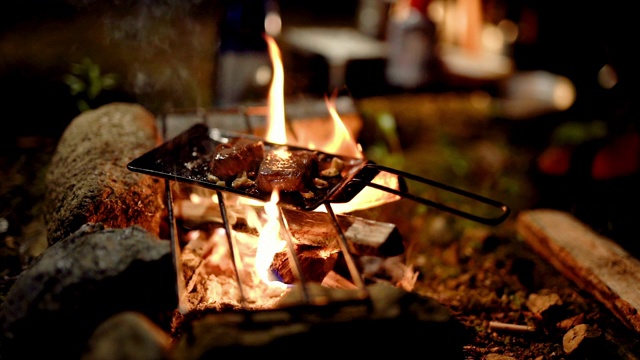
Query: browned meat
{"x":234,"y":158}
{"x":287,"y":170}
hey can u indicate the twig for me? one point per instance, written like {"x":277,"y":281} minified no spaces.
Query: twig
{"x":496,"y":325}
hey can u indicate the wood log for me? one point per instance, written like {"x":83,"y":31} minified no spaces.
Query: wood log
{"x":364,"y":236}
{"x":595,"y":263}
{"x":88,"y":180}
{"x":315,"y":264}
{"x":336,"y":281}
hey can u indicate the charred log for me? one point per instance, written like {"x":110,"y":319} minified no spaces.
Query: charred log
{"x":315,"y":264}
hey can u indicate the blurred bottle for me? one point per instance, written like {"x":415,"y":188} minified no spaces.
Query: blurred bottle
{"x":411,"y":38}
{"x":242,"y":55}
{"x":373,"y":16}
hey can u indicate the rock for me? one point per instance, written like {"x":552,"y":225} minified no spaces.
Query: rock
{"x":79,"y":282}
{"x":88,"y":181}
{"x":342,"y":324}
{"x":498,"y":357}
{"x":567,"y":324}
{"x":540,"y":303}
{"x":581,"y":338}
{"x":128,"y":335}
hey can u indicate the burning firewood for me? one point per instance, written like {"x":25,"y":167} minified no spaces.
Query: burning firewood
{"x":315,"y":264}
{"x":364,"y":236}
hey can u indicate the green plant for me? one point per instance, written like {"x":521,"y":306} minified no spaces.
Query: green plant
{"x":86,"y":83}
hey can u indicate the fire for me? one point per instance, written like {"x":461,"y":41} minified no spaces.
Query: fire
{"x":276,"y":130}
{"x":248,"y":256}
{"x":341,"y":142}
{"x":269,"y":242}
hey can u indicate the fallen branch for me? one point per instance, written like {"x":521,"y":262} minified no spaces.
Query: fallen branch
{"x":500,"y":326}
{"x":595,"y":263}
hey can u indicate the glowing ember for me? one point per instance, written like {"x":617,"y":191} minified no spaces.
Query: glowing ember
{"x":218,"y":271}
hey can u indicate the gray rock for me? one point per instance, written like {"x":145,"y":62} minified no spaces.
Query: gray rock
{"x":346,"y":326}
{"x":128,"y":336}
{"x":77,"y":283}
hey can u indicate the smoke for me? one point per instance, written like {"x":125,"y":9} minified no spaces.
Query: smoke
{"x":164,"y":49}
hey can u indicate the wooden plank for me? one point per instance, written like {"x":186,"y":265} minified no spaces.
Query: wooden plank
{"x":595,"y":263}
{"x":364,"y":236}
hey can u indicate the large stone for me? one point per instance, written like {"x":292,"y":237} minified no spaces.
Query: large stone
{"x":88,"y":181}
{"x":79,"y":282}
{"x":337,"y":323}
{"x":128,"y":335}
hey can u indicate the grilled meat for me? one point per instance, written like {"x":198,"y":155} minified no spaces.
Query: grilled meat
{"x":287,"y":170}
{"x":234,"y":158}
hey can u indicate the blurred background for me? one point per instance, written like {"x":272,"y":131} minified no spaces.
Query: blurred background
{"x":544,"y":92}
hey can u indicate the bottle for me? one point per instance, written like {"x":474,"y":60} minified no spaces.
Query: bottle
{"x":411,"y":40}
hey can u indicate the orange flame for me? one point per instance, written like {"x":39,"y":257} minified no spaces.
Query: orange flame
{"x":269,"y":242}
{"x":276,"y":130}
{"x":340,"y":142}
{"x":258,"y":251}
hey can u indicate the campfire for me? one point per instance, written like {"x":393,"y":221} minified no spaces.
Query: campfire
{"x":245,"y":253}
{"x":268,"y":194}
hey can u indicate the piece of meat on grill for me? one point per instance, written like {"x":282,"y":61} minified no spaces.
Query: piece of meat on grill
{"x":233,"y":158}
{"x":287,"y":170}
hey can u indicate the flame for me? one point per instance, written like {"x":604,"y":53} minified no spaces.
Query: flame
{"x":341,"y":142}
{"x":256,"y":252}
{"x":195,"y":198}
{"x":269,"y":242}
{"x":276,"y":130}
